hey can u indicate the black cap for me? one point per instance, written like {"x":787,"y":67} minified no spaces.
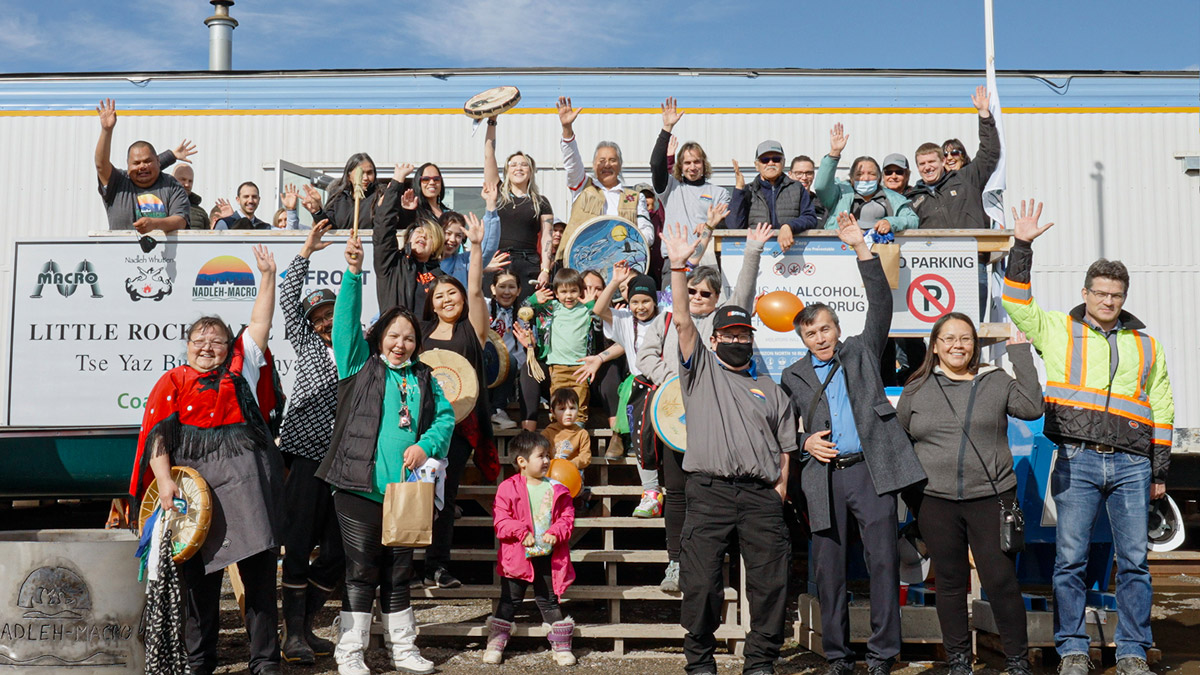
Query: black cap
{"x":316,"y":299}
{"x":730,"y":316}
{"x":642,"y":285}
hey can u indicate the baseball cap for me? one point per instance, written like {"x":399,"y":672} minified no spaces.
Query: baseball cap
{"x":730,"y":316}
{"x":642,"y":285}
{"x":768,"y":146}
{"x":896,"y":159}
{"x":316,"y":299}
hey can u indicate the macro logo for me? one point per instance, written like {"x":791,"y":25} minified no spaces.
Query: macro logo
{"x":225,"y":277}
{"x":67,"y":282}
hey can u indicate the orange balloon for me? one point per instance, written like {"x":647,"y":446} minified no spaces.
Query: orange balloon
{"x":565,"y":472}
{"x":778,"y":309}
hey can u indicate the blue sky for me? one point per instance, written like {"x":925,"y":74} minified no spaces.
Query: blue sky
{"x":152,"y":35}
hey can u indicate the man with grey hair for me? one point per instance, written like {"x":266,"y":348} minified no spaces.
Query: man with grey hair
{"x":604,"y":194}
{"x":772,"y":197}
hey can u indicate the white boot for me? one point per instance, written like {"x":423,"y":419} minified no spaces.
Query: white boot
{"x":354,"y":630}
{"x":400,"y":639}
{"x":559,"y":636}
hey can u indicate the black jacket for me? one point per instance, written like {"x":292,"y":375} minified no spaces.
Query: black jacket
{"x":793,"y":206}
{"x":339,"y":211}
{"x":955,"y":202}
{"x":350,"y":463}
{"x":400,"y":279}
{"x":888,"y":453}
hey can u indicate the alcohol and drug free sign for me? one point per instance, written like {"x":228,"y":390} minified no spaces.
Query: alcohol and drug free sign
{"x":95,"y":323}
{"x":937,"y":275}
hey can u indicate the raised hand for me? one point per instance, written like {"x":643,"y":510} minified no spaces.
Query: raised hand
{"x":739,"y":181}
{"x":290,"y":197}
{"x":670,"y":114}
{"x":264,"y":259}
{"x":354,"y":255}
{"x":716,"y":213}
{"x":675,"y":244}
{"x":849,"y":231}
{"x":1025,"y":224}
{"x":108,"y":114}
{"x":588,"y":367}
{"x":408,"y":200}
{"x":474,"y":229}
{"x":491,"y":195}
{"x":673,"y":146}
{"x":522,"y":334}
{"x":313,"y":242}
{"x":981,"y":100}
{"x":311,"y":199}
{"x":623,"y":272}
{"x":544,"y":295}
{"x":567,"y":114}
{"x":837,"y":140}
{"x":184,"y":150}
{"x":400,"y":172}
{"x":760,"y":232}
{"x":226,"y":209}
{"x":499,"y":262}
{"x":1017,"y":338}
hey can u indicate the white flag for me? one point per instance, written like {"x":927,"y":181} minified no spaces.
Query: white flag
{"x":993,"y":192}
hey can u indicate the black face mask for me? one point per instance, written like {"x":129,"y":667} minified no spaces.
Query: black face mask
{"x":735,"y":354}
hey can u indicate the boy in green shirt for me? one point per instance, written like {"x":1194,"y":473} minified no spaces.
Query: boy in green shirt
{"x":570,"y":321}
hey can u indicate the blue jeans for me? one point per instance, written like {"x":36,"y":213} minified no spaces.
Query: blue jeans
{"x":1085,"y":480}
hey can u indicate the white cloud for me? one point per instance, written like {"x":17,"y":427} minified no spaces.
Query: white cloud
{"x":19,"y":31}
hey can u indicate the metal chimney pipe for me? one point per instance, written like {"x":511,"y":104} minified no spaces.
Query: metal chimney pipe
{"x":220,"y":36}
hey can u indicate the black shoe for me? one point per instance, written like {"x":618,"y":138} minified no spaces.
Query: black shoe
{"x":294,"y":648}
{"x":442,"y":579}
{"x":840,"y":667}
{"x":959,"y":664}
{"x":314,"y":602}
{"x":269,"y":669}
{"x":882,"y":668}
{"x":1017,"y":665}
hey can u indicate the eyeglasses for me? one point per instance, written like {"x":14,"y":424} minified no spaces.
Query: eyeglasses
{"x":696,"y":291}
{"x":954,"y":153}
{"x":805,"y":173}
{"x":895,"y":172}
{"x":1101,"y":295}
{"x":209,"y":344}
{"x":951,"y":340}
{"x":771,"y":159}
{"x":730,"y":339}
{"x":431,"y":179}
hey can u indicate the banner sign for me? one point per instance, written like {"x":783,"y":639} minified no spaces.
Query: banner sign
{"x":937,"y":275}
{"x":95,"y":323}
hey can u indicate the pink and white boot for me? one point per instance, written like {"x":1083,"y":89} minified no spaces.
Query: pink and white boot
{"x":559,"y":635}
{"x":499,"y":631}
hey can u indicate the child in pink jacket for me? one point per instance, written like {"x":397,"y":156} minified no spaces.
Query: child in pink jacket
{"x":533,"y":519}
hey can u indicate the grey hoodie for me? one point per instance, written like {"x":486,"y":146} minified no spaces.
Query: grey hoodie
{"x":954,"y":470}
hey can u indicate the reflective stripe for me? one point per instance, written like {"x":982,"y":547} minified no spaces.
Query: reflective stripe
{"x":1162,"y":434}
{"x":1076,"y":352}
{"x":1015,"y":291}
{"x":1145,"y":347}
{"x":1100,"y":400}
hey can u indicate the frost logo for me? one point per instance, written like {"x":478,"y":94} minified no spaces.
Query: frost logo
{"x":66,"y":283}
{"x":150,"y":283}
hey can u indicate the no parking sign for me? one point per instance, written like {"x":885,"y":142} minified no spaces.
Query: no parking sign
{"x":930,"y":297}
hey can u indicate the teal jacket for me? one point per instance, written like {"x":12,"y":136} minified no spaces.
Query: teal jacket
{"x":838,"y":196}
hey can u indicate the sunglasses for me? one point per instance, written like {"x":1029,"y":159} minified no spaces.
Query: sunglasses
{"x":704,"y":294}
{"x":431,"y":179}
{"x":895,"y":172}
{"x":954,"y":153}
{"x":771,"y":159}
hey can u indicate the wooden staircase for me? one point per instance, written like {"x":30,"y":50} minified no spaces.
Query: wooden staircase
{"x":618,"y":560}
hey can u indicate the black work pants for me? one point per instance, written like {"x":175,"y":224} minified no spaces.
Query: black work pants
{"x":203,"y":599}
{"x":438,"y":553}
{"x":674,"y":500}
{"x":852,"y":495}
{"x":721,"y":511}
{"x":370,"y":565}
{"x":949,"y":527}
{"x":311,"y":524}
{"x":512,"y":593}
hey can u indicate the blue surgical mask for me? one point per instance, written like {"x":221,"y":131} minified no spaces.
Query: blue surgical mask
{"x":866,"y":187}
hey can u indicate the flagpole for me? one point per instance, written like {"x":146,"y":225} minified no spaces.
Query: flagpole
{"x":989,"y":39}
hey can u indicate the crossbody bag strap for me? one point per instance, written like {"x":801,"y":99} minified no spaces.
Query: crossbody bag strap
{"x":966,"y":429}
{"x":812,"y":407}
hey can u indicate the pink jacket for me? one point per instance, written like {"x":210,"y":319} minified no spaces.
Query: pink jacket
{"x":514,"y":519}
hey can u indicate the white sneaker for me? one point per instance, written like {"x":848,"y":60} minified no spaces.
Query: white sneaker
{"x":650,"y":506}
{"x":502,"y":420}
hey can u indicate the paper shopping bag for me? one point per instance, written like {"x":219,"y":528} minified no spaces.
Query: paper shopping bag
{"x":889,"y":257}
{"x":408,"y":514}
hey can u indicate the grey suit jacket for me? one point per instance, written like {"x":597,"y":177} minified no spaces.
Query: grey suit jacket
{"x":887,"y":450}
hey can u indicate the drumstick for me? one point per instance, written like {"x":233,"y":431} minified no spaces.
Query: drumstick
{"x":356,"y":178}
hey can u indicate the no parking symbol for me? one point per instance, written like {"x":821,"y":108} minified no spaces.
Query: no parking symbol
{"x":930,"y":297}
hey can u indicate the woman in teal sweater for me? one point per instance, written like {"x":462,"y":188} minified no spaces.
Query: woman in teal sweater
{"x":863,"y":196}
{"x":392,"y":418}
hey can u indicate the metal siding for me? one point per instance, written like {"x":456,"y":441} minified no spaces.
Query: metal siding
{"x":1149,"y":202}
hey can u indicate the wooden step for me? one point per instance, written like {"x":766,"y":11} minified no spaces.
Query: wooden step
{"x":585,"y":555}
{"x":611,"y":522}
{"x":586,"y":630}
{"x":596,"y":491}
{"x":509,"y":433}
{"x":573,"y":593}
